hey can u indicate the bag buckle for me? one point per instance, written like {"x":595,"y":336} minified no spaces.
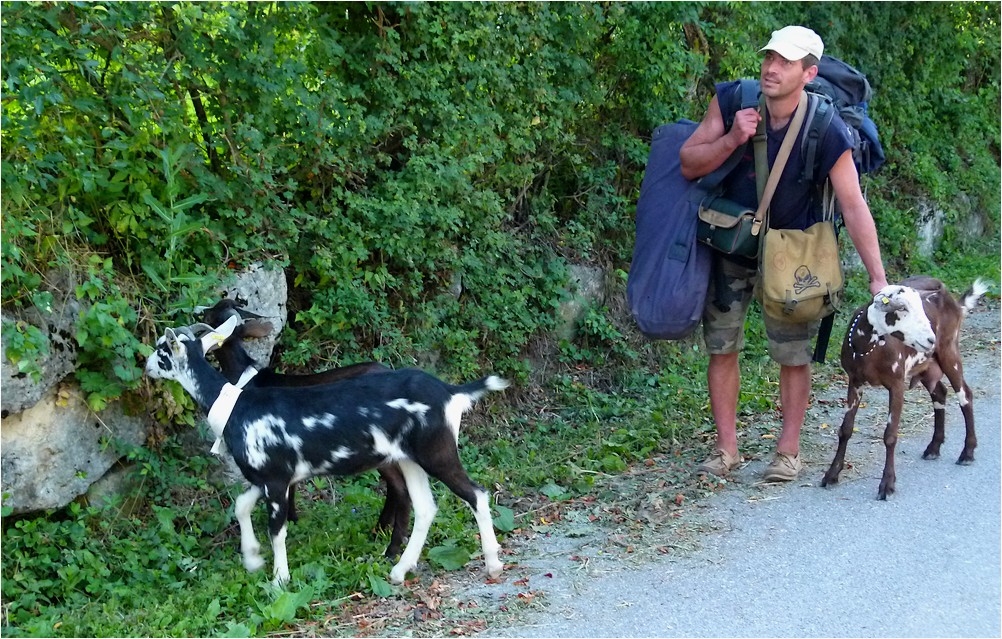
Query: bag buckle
{"x":756,"y":224}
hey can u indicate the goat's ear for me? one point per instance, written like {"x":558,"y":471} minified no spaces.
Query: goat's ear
{"x":257,"y":328}
{"x":215,"y":338}
{"x":884,"y":300}
{"x":176,"y":347}
{"x":245,"y":314}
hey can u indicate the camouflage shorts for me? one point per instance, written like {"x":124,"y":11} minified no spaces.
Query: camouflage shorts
{"x":731,"y":291}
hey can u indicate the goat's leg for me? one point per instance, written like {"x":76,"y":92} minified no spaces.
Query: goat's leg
{"x":896,"y":402}
{"x":424,"y":512}
{"x":396,"y":513}
{"x":277,"y":495}
{"x":249,"y":546}
{"x":293,"y":515}
{"x":970,"y":439}
{"x":937,"y":391}
{"x":449,"y":470}
{"x":955,"y":374}
{"x":844,"y":433}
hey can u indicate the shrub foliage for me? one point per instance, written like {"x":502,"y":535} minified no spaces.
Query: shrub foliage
{"x":384,"y":153}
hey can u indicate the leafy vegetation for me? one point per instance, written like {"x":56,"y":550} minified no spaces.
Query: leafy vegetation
{"x":383,"y":154}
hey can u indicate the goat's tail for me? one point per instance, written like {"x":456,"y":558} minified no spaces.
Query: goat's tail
{"x":970,"y":297}
{"x":476,"y":390}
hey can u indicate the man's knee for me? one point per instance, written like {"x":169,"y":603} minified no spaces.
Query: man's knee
{"x":790,"y":344}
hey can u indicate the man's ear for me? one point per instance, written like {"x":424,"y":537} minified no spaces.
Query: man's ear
{"x":810,"y":73}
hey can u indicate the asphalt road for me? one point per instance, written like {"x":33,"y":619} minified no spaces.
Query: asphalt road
{"x":799,"y":560}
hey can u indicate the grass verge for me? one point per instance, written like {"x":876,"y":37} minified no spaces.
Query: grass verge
{"x":606,"y":435}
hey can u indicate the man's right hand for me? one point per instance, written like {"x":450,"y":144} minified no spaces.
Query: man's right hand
{"x":745,"y":124}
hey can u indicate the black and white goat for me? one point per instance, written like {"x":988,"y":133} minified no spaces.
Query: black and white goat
{"x":280,"y":436}
{"x":240,"y":369}
{"x":908,"y":334}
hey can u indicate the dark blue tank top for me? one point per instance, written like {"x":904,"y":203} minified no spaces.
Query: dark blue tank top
{"x":796,"y":203}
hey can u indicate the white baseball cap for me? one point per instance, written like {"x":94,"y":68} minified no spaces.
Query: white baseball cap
{"x":794,"y":43}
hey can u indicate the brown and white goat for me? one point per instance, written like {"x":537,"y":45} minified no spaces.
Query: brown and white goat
{"x":907,"y":335}
{"x":239,"y":368}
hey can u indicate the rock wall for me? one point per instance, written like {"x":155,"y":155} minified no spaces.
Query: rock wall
{"x":53,"y":448}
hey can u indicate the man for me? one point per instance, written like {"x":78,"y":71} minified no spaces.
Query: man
{"x":789,"y":64}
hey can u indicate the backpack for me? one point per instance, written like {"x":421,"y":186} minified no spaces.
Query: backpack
{"x":839,"y":88}
{"x":670,"y":270}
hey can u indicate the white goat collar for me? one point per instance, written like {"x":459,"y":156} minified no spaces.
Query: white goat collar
{"x":220,"y":412}
{"x":248,"y":375}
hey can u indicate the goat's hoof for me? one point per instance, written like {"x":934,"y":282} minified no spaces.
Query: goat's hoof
{"x":280,"y":580}
{"x":931,"y":455}
{"x":494,"y":569}
{"x":398,"y":574}
{"x":253,"y":563}
{"x":828,"y":481}
{"x":965,"y":460}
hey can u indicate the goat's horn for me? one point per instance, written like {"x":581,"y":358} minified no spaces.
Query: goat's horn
{"x":887,"y":303}
{"x":200,"y":328}
{"x":184,"y":330}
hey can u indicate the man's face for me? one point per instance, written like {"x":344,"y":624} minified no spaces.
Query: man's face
{"x":781,"y":77}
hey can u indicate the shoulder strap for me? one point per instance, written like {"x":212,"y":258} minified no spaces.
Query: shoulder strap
{"x":746,"y":97}
{"x":819,"y":117}
{"x":761,"y":147}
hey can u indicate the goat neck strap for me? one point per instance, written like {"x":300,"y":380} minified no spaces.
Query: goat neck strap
{"x":852,"y":333}
{"x":246,"y":377}
{"x":220,"y":411}
{"x":777,"y":168}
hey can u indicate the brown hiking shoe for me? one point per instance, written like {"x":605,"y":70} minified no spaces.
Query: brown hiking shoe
{"x":720,"y":463}
{"x":783,"y":467}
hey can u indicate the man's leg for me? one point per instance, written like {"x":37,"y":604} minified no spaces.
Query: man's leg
{"x":794,"y":394}
{"x":790,"y":347}
{"x":724,"y":380}
{"x":723,"y":332}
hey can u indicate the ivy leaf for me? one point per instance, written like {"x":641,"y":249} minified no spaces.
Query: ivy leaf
{"x":505,"y":520}
{"x":283,"y":609}
{"x":236,"y":630}
{"x":449,"y":557}
{"x":379,"y":586}
{"x":553,"y":491}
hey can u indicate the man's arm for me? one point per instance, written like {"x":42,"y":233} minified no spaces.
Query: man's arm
{"x":710,"y":145}
{"x":858,"y":219}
